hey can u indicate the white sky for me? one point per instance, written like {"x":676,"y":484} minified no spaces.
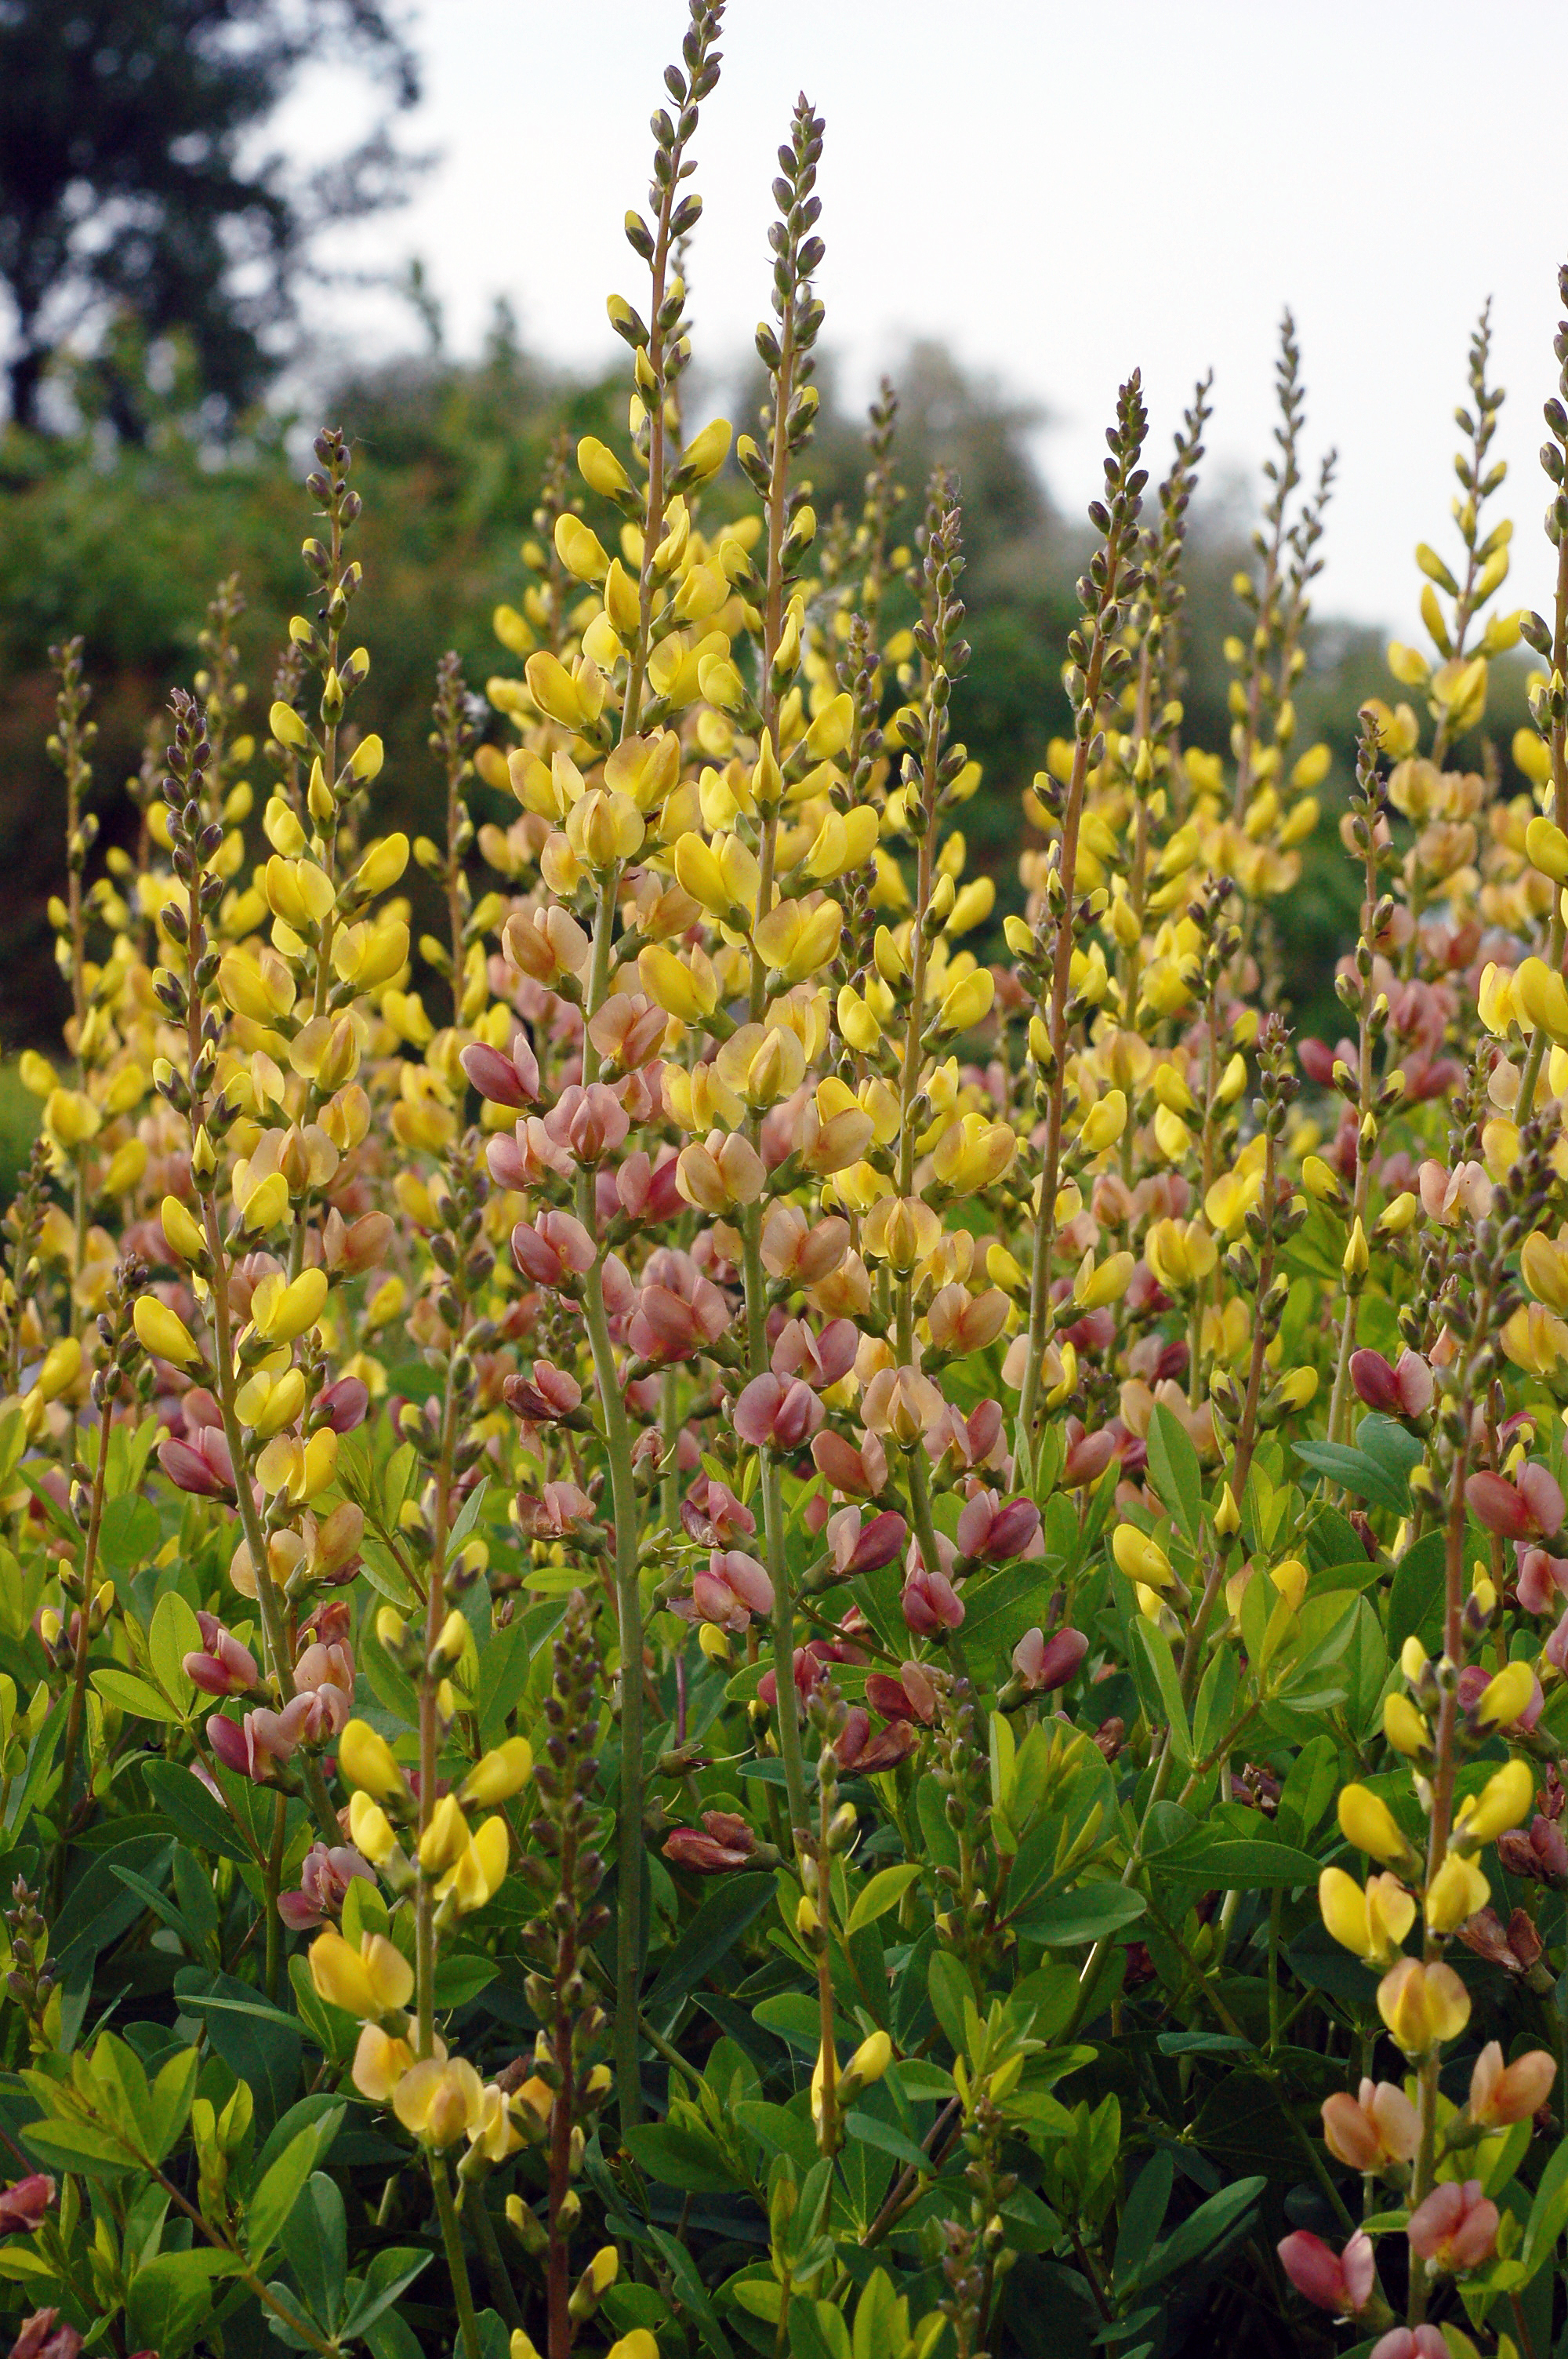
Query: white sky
{"x":1061,"y":192}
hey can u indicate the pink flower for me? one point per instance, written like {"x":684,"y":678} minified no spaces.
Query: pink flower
{"x":200,"y":1466}
{"x":645,"y":1192}
{"x":554,"y":1246}
{"x":992,"y":1533}
{"x":1088,"y":1456}
{"x":346,"y":1404}
{"x":1405,"y":1390}
{"x":777,"y":1413}
{"x":1342,"y":2283}
{"x":548,"y":1394}
{"x":725,"y":1844}
{"x":1501,"y":2093}
{"x":1376,"y":2126}
{"x":1450,"y":1196}
{"x":862,"y":1753}
{"x":807,"y":1668}
{"x":1423,"y":2342}
{"x":976,"y":1440}
{"x":1530,"y":1506}
{"x":43,"y":2337}
{"x":587,"y":1124}
{"x":734,"y":1587}
{"x":930,"y":1603}
{"x":858,"y":1546}
{"x":324,"y":1878}
{"x":1455,"y":2228}
{"x":1043,"y":1665}
{"x":863,"y":1473}
{"x":23,"y":2203}
{"x":562,"y":1513}
{"x":819,"y":1360}
{"x":711,"y":1514}
{"x":508,"y":1080}
{"x":226,"y":1668}
{"x":803,"y":1254}
{"x":912,"y":1696}
{"x":677,"y":1309}
{"x":253,"y":1747}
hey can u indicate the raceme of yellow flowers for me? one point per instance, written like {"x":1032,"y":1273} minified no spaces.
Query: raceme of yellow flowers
{"x":767,"y":1543}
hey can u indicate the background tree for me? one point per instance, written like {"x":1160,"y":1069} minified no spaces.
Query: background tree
{"x":132,"y":208}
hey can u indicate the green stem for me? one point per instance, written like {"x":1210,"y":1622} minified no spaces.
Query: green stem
{"x":457,"y":2260}
{"x":628,"y":1593}
{"x":475,"y":2211}
{"x":79,"y":1668}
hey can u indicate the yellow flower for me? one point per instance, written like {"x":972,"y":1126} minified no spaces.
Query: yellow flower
{"x":1372,"y":1922}
{"x":1404,"y":1726}
{"x":1140,"y":1557}
{"x":1422,"y":2006}
{"x":1180,"y":1253}
{"x":367,"y":1760}
{"x":1370,"y":1825}
{"x":500,"y":1774}
{"x":1506,"y":1798}
{"x":281,"y":1310}
{"x":439,"y":2099}
{"x":163,"y":1332}
{"x":1505,"y":1697}
{"x":375,"y":1980}
{"x":1457,"y":1891}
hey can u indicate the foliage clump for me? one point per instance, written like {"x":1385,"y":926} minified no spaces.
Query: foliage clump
{"x":728,"y":1633}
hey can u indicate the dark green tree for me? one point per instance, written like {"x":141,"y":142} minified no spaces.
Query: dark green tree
{"x":131,"y":206}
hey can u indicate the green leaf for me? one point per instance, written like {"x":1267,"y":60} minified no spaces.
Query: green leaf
{"x":171,"y":2107}
{"x":725,"y":1913}
{"x":174,"y":1633}
{"x":1142,"y":2217}
{"x":258,"y":2042}
{"x":129,"y":1536}
{"x":1415,"y":1599}
{"x":1174,"y":1471}
{"x":683,"y":2156}
{"x":191,"y":1809}
{"x":1237,"y":1862}
{"x":1391,"y":1444}
{"x":170,"y":2298}
{"x":1066,"y":1920}
{"x":887,"y":2139}
{"x":1548,"y":2213}
{"x":462,"y":1978}
{"x":692,"y":2294}
{"x":323,"y":2112}
{"x":1202,"y":2228}
{"x":1308,"y":1788}
{"x":473,"y":1507}
{"x":390,"y":2273}
{"x":78,"y":2146}
{"x":279,"y":2193}
{"x":316,"y":2245}
{"x":1162,"y":1663}
{"x":137,"y":1696}
{"x":885,"y":1890}
{"x":949,"y":1986}
{"x":1354,"y":1470}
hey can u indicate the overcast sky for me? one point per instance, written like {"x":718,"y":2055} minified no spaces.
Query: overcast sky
{"x":1062,"y":193}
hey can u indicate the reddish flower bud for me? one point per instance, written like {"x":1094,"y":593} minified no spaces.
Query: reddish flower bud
{"x":23,"y":2203}
{"x":1455,"y":2228}
{"x":1043,"y":1665}
{"x":1339,"y":2282}
{"x":930,"y":1603}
